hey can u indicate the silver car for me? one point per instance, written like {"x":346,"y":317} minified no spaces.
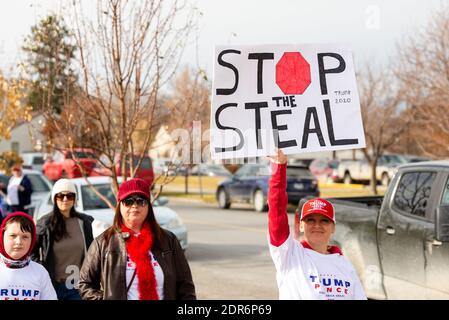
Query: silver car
{"x":90,"y":203}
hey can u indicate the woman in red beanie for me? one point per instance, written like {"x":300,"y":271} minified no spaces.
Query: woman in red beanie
{"x":21,"y":278}
{"x":135,"y":259}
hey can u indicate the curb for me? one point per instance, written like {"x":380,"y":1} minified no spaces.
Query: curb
{"x":178,"y":199}
{"x":340,"y":186}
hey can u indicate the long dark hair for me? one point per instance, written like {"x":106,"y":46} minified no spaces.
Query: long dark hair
{"x":57,"y":223}
{"x":150,"y":219}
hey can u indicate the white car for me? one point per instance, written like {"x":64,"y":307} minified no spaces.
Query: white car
{"x":90,"y":203}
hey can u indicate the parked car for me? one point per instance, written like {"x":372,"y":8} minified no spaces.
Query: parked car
{"x":63,"y":165}
{"x":360,"y":170}
{"x":211,"y":170}
{"x":325,"y":169}
{"x":399,"y":243}
{"x":33,"y":160}
{"x":40,"y":184}
{"x":145,"y":170}
{"x":300,"y":161}
{"x":169,"y":166}
{"x":250,"y":185}
{"x":90,"y":203}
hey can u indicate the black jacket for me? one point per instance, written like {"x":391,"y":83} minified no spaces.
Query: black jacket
{"x":103,"y":274}
{"x":42,"y":251}
{"x":25,"y":195}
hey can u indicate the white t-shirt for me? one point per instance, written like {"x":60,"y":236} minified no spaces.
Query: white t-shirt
{"x":13,"y":190}
{"x":304,"y":274}
{"x":133,"y":293}
{"x":28,"y":283}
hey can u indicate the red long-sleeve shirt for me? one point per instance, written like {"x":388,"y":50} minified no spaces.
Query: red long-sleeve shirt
{"x":278,"y":227}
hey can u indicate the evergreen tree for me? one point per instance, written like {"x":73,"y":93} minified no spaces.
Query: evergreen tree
{"x":50,"y":50}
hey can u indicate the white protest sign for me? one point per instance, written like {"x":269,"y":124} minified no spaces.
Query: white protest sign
{"x":298,"y":98}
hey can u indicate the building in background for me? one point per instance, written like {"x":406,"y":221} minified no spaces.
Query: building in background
{"x":25,"y":136}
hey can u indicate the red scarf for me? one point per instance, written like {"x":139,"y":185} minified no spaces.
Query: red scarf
{"x":138,"y":248}
{"x":330,"y":249}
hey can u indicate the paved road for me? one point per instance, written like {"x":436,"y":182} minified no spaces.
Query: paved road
{"x":228,"y":251}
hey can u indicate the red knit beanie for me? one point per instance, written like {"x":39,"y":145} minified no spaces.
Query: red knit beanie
{"x":135,"y":185}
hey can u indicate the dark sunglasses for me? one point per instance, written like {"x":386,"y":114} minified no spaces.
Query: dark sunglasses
{"x":141,"y":202}
{"x":69,"y":196}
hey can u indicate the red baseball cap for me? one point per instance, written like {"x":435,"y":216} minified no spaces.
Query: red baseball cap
{"x":134,"y":186}
{"x":319,"y":206}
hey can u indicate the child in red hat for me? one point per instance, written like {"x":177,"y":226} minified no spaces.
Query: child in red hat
{"x":21,"y":278}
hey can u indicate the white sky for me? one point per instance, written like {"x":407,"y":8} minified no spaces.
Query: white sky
{"x":370,"y":27}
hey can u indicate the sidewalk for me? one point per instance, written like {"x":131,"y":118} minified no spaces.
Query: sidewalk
{"x":182,"y":189}
{"x":327,"y":190}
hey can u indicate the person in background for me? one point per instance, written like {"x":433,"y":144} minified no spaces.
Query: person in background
{"x":63,"y":238}
{"x":19,"y":189}
{"x":1,"y":215}
{"x":21,"y":278}
{"x":3,"y":205}
{"x":311,"y":269}
{"x":135,"y":259}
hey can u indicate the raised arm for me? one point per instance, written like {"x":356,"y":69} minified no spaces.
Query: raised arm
{"x":278,"y":227}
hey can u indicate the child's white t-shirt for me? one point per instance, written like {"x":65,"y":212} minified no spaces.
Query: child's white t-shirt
{"x":28,"y":283}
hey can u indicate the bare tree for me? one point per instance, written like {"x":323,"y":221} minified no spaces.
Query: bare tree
{"x":189,"y":108}
{"x":423,"y":70}
{"x":380,"y":104}
{"x":189,"y":104}
{"x":126,"y":54}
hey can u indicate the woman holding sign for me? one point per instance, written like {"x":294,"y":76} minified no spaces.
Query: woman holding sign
{"x":310,"y":269}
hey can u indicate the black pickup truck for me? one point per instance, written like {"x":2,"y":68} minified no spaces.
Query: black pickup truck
{"x":399,"y":244}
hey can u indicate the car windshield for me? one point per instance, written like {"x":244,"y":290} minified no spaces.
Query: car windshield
{"x":145,"y":164}
{"x":299,"y":172}
{"x":217,"y":169}
{"x":92,"y":201}
{"x":263,"y":171}
{"x":38,"y":184}
{"x":81,"y":155}
{"x":38,"y":160}
{"x":4,"y":179}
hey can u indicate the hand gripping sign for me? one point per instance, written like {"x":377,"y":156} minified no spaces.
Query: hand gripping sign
{"x":299,"y":98}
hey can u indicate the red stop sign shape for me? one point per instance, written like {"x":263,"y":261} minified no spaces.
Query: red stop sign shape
{"x":292,"y":73}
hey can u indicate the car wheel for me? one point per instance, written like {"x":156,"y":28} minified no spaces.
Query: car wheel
{"x":347,"y":178}
{"x":223,"y":201}
{"x":260,"y":204}
{"x":385,"y":179}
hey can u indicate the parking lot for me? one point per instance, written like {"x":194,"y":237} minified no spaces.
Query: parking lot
{"x":228,"y":251}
